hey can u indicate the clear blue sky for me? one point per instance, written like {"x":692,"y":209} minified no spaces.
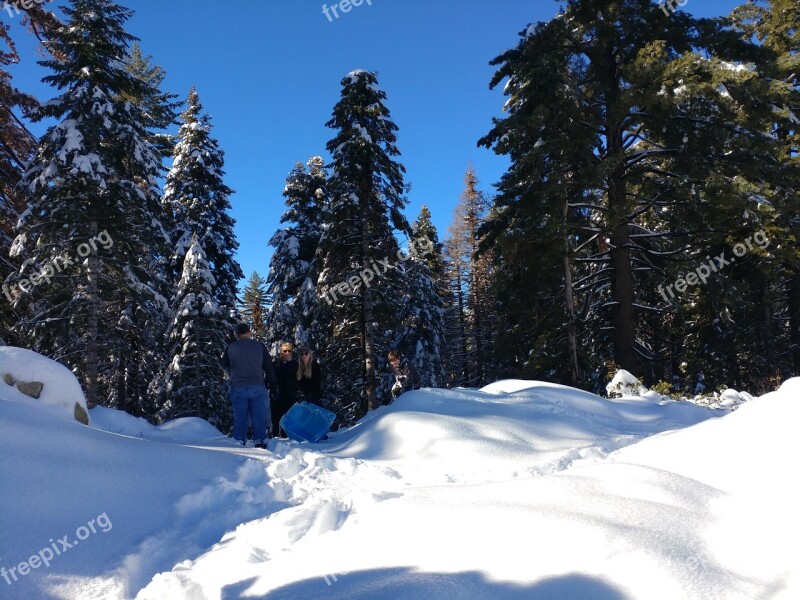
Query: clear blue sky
{"x":269,"y":72}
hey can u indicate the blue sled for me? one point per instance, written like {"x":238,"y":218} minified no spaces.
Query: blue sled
{"x":306,"y":422}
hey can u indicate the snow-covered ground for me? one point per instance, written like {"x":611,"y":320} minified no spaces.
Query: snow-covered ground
{"x":519,"y":490}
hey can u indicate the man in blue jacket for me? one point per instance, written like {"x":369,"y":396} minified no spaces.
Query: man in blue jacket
{"x":247,"y":361}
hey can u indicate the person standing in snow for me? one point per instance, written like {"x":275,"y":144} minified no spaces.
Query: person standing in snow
{"x":309,"y":377}
{"x":286,"y":372}
{"x":406,"y":376}
{"x":248,"y":362}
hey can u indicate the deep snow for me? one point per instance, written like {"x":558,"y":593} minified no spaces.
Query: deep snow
{"x":522,"y":489}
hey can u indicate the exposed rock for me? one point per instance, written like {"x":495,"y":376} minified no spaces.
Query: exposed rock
{"x":81,"y":415}
{"x":30,"y":388}
{"x":9,"y":378}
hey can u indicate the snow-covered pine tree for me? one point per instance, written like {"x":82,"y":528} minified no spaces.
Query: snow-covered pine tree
{"x":94,"y":217}
{"x":198,"y":202}
{"x":292,"y":280}
{"x":421,"y":337}
{"x":253,"y":306}
{"x":366,"y":202}
{"x":195,"y":382}
{"x":137,"y":363}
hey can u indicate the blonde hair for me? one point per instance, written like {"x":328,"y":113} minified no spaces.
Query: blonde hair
{"x":304,"y":369}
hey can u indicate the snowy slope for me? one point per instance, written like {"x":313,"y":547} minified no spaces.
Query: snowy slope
{"x":521,"y":489}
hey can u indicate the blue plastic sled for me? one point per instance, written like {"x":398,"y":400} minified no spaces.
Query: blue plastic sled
{"x":306,"y":422}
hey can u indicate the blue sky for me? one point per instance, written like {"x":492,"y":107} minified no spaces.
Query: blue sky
{"x":269,"y":72}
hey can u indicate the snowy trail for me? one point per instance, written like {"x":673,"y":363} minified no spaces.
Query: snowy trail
{"x":414,"y":448}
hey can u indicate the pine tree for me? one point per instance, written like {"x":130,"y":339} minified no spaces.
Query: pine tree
{"x":160,"y":108}
{"x":198,"y":202}
{"x":134,"y":369}
{"x":195,"y":380}
{"x":292,"y":279}
{"x":471,"y":276}
{"x":93,"y":180}
{"x":455,"y":277}
{"x":647,"y":122}
{"x":366,"y":201}
{"x":775,"y":24}
{"x":17,"y":146}
{"x":253,"y":306}
{"x":422,"y":336}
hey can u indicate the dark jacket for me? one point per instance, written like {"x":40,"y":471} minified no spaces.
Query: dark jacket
{"x":311,"y":389}
{"x":406,"y":375}
{"x":286,"y":373}
{"x":249,"y":364}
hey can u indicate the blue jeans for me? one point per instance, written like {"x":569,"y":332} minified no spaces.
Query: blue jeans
{"x":252,"y":401}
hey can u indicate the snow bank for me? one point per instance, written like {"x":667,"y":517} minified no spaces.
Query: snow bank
{"x":61,"y":392}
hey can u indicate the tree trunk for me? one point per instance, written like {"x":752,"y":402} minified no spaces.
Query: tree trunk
{"x":477,"y":325}
{"x":572,"y":336}
{"x":366,"y":296}
{"x":198,"y":350}
{"x":622,"y":278}
{"x":92,"y":328}
{"x":794,"y":321}
{"x":462,"y":324}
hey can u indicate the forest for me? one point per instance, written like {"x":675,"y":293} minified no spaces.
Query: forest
{"x":648,"y":221}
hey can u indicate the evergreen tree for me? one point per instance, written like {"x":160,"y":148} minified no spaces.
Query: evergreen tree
{"x":472,"y":274}
{"x":198,"y":336}
{"x":292,"y":279}
{"x":253,"y":306}
{"x":455,"y":277}
{"x":776,"y":25}
{"x":94,"y":219}
{"x":134,"y":368}
{"x":422,"y":337}
{"x":161,"y":107}
{"x":653,"y":126}
{"x":17,"y":146}
{"x":366,"y":201}
{"x":198,"y":202}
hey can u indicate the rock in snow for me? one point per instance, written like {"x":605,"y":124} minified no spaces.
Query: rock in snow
{"x":38,"y":381}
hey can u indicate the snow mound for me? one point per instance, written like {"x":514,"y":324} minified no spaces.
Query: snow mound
{"x":61,"y":392}
{"x":536,"y":428}
{"x":184,"y":430}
